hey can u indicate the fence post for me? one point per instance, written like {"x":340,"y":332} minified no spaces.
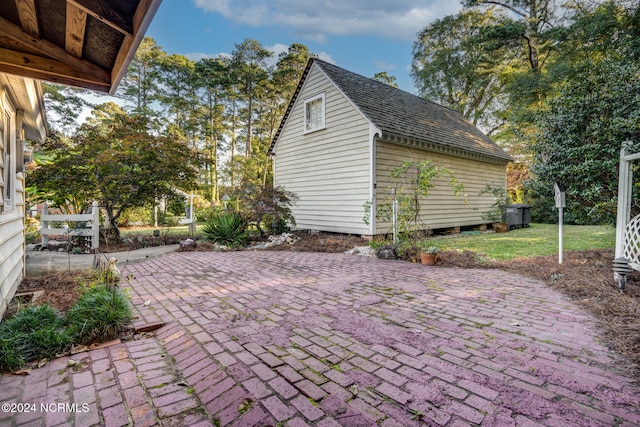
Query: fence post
{"x":44,"y":226}
{"x":95,"y":226}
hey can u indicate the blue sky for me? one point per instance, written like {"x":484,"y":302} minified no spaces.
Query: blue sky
{"x":363,"y":36}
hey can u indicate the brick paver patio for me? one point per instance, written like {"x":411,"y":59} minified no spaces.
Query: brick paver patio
{"x":307,"y":339}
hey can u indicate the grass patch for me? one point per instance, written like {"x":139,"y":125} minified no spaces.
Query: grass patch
{"x":100,"y":314}
{"x":539,"y":239}
{"x":179,"y":230}
{"x":33,"y":333}
{"x":41,"y":332}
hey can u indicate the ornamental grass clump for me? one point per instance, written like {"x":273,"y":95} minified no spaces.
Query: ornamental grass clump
{"x":227,"y":229}
{"x":41,"y":332}
{"x":33,"y":333}
{"x":100,"y":314}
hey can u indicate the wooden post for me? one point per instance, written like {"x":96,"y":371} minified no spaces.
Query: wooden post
{"x":560,"y":204}
{"x":44,"y":226}
{"x":95,"y":226}
{"x":394,"y":216}
{"x":625,"y":186}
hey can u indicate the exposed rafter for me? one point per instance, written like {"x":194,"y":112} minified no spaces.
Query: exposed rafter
{"x":103,"y":12}
{"x":74,"y":34}
{"x":28,"y":17}
{"x":49,"y":69}
{"x":50,"y":50}
{"x":85,"y":43}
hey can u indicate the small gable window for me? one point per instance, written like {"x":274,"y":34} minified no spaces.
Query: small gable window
{"x":314,"y":113}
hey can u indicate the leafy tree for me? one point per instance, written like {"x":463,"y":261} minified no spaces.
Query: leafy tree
{"x":214,"y":81}
{"x":249,"y":68}
{"x":267,"y":207}
{"x":533,"y":19}
{"x":114,"y":159}
{"x":384,"y":77}
{"x":141,"y":82}
{"x":64,"y":105}
{"x":457,"y":64}
{"x":595,"y":110}
{"x":179,"y":93}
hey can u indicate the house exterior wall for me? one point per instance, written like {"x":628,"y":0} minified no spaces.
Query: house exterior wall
{"x":12,"y":246}
{"x":21,"y":117}
{"x":441,"y":209}
{"x":328,"y":169}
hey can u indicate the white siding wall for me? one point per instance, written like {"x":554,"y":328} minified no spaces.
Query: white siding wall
{"x":441,"y":209}
{"x":329,"y":169}
{"x":12,"y":246}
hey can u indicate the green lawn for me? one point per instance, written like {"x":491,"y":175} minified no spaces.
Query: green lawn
{"x":539,"y":239}
{"x":164,"y":231}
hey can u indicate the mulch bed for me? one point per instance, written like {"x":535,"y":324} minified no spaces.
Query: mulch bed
{"x":585,"y":276}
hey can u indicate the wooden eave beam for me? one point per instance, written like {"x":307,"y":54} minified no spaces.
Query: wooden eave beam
{"x":48,"y":69}
{"x":103,"y":12}
{"x":28,"y":17}
{"x":76,"y":24}
{"x":141,"y":21}
{"x":51,"y":50}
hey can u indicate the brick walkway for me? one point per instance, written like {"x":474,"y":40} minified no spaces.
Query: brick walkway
{"x":297,"y":339}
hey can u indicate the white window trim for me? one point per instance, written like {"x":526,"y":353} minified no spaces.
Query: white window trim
{"x":9,"y":168}
{"x":323,"y":123}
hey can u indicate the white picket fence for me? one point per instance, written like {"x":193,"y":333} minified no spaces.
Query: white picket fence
{"x":93,"y":232}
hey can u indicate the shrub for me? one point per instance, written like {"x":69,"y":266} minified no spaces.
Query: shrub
{"x":266,"y":205}
{"x":39,"y":332}
{"x":226,"y":228}
{"x":99,"y":315}
{"x":33,"y":333}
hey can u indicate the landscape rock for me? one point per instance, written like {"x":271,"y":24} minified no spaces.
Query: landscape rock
{"x":56,"y":246}
{"x":281,"y":239}
{"x":387,"y":252}
{"x":361,"y":250}
{"x":188,"y":244}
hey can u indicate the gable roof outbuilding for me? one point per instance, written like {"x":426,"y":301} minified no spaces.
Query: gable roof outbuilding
{"x":405,"y":118}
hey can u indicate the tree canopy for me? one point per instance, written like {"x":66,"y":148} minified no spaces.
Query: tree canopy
{"x":114,"y":159}
{"x":558,"y":89}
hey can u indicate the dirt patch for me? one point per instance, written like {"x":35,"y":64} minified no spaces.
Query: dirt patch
{"x":60,"y":291}
{"x":321,"y":242}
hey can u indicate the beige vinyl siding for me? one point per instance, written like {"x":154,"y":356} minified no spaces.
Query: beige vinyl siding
{"x":441,"y":209}
{"x":12,"y":246}
{"x":328,"y":169}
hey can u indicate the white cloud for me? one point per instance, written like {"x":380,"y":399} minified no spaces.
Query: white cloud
{"x":315,"y":19}
{"x":197,"y":56}
{"x":385,"y":66}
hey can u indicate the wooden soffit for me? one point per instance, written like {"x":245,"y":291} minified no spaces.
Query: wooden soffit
{"x":83,"y":43}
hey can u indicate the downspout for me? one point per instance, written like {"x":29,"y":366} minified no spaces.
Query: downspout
{"x":374,"y":134}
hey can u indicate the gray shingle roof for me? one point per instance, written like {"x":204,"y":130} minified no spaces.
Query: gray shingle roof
{"x":399,"y":113}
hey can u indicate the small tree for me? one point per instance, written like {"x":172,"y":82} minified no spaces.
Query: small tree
{"x":114,"y":159}
{"x":269,"y":207}
{"x":413,"y":181}
{"x":498,"y":210}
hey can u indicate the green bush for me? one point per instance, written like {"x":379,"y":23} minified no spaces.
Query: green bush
{"x":136,"y":216}
{"x":41,"y":332}
{"x":33,"y":333}
{"x":100,"y":314}
{"x":226,"y":228}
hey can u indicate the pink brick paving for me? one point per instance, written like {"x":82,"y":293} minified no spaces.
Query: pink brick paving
{"x":300,"y":339}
